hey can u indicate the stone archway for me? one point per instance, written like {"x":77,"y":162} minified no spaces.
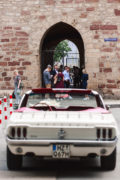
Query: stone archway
{"x":55,"y":34}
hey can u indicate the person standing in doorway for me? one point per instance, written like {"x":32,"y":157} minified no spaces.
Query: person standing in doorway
{"x":76,"y":76}
{"x":59,"y":79}
{"x":17,"y":91}
{"x":54,"y":72}
{"x":66,"y":77}
{"x":84,"y":79}
{"x":47,"y":77}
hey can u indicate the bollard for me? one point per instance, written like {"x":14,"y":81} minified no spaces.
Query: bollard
{"x":0,"y":111}
{"x":6,"y":110}
{"x":5,"y":115}
{"x":11,"y":104}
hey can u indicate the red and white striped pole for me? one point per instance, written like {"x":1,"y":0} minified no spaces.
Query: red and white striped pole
{"x":0,"y":111}
{"x":10,"y":104}
{"x":5,"y":108}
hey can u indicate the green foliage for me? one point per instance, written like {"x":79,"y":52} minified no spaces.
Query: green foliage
{"x":61,"y":51}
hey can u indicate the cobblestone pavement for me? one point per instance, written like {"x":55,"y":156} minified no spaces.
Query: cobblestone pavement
{"x":60,"y":170}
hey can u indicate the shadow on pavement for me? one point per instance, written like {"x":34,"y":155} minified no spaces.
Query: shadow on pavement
{"x":89,"y":167}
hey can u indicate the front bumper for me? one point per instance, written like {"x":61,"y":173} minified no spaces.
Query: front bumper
{"x":77,"y":147}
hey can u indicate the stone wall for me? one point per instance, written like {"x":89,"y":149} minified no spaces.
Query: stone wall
{"x":23,"y":24}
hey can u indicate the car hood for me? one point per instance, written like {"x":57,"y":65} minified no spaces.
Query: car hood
{"x":62,"y":118}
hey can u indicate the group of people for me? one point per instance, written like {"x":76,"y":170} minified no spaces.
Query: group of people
{"x":60,"y":77}
{"x":56,"y":77}
{"x":80,"y":77}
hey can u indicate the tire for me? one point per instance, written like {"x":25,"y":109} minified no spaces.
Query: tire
{"x":109,"y":162}
{"x":14,"y":162}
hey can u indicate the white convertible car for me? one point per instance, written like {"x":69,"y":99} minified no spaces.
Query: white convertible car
{"x":61,"y":123}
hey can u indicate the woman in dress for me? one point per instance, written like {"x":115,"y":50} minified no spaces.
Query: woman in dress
{"x":84,"y":83}
{"x":84,"y":79}
{"x":59,"y":79}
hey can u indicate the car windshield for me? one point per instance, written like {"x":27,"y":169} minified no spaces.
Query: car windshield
{"x":61,"y":100}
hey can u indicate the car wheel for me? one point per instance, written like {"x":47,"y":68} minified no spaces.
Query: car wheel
{"x":109,"y":162}
{"x":14,"y":162}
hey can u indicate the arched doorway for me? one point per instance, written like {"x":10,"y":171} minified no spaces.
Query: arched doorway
{"x":53,"y":36}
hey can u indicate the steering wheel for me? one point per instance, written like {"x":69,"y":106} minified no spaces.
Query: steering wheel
{"x":50,"y":108}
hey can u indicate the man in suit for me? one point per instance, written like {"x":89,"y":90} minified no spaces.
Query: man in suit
{"x":47,"y":76}
{"x":55,"y":70}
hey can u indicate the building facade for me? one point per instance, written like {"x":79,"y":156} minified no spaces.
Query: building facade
{"x":31,"y":29}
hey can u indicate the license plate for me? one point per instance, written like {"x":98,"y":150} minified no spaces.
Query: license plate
{"x":61,"y":151}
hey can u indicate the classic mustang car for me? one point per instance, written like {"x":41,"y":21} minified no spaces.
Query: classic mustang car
{"x":61,"y":124}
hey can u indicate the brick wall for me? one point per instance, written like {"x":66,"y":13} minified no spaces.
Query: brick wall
{"x":23,"y":24}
